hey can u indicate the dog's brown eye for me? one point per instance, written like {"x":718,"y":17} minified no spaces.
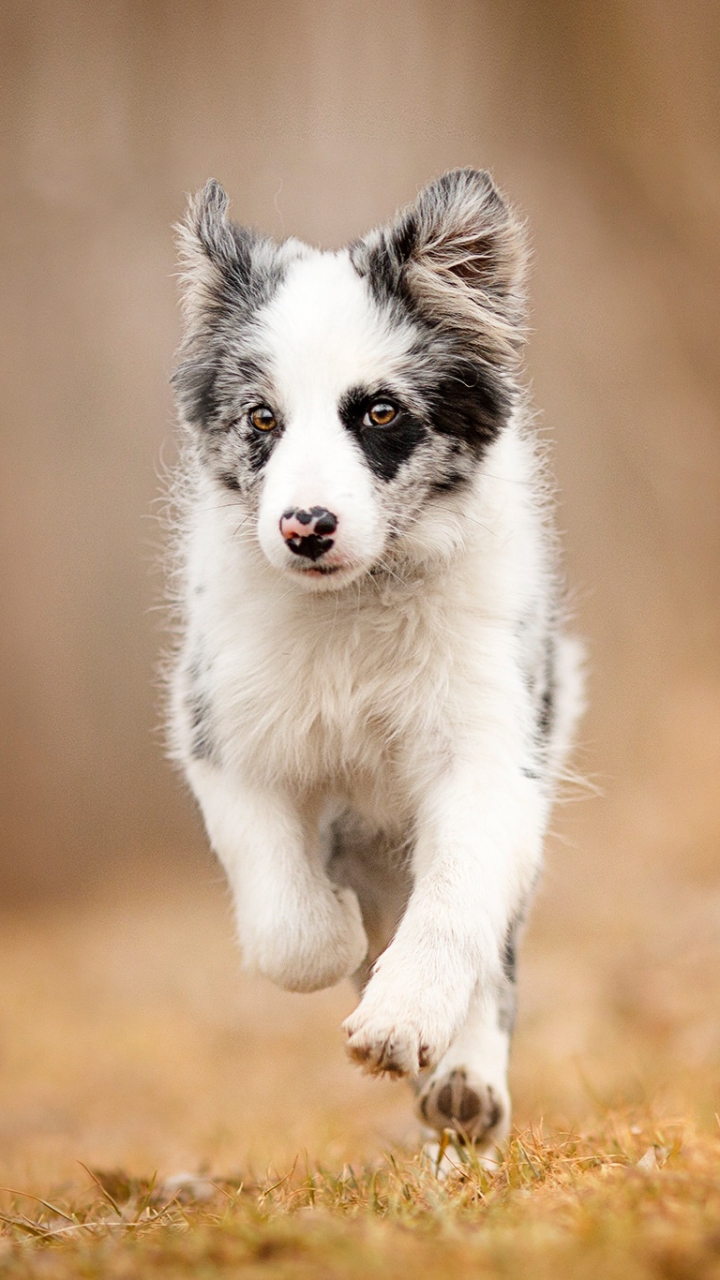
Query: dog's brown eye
{"x":380,"y":414}
{"x":262,"y":418}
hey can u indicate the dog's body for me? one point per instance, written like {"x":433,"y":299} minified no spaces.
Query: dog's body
{"x":372,"y":700}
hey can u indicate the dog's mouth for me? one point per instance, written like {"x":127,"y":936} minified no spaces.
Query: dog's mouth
{"x":318,"y":574}
{"x":319,"y":570}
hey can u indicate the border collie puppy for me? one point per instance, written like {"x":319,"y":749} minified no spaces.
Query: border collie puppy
{"x":372,"y":699}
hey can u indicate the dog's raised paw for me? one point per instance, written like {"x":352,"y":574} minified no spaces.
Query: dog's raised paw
{"x":401,"y":1033}
{"x":398,"y":1050}
{"x":380,"y":1046}
{"x":460,"y":1101}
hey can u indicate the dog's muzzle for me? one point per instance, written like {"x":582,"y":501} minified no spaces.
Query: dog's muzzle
{"x":306,"y":533}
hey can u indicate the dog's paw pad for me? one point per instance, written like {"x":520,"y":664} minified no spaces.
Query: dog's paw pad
{"x":465,"y":1108}
{"x":459,"y":1101}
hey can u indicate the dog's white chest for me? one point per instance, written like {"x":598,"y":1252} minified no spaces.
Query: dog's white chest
{"x":327,"y":695}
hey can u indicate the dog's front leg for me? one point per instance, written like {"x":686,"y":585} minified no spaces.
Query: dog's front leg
{"x":477,"y":855}
{"x":294,"y":925}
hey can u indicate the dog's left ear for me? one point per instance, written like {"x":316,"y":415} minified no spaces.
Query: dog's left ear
{"x":459,"y":245}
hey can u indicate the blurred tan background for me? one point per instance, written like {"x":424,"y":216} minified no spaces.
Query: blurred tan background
{"x":320,"y":117}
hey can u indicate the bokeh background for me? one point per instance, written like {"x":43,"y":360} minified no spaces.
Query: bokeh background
{"x":122,"y":1002}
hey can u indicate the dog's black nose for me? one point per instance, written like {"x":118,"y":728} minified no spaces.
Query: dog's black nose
{"x":306,"y":532}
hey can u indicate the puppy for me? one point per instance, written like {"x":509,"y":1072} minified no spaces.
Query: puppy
{"x":372,"y":699}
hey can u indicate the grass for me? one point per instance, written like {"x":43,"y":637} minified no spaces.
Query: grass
{"x":628,"y":1201}
{"x":131,"y":1050}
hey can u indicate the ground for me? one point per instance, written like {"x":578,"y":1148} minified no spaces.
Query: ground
{"x":161,"y":1115}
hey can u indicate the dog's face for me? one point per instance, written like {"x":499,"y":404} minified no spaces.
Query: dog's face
{"x":345,"y":400}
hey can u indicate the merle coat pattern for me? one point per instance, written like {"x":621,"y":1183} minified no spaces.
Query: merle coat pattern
{"x":372,"y":698}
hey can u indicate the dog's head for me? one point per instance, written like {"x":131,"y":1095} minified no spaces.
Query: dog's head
{"x":344,"y":400}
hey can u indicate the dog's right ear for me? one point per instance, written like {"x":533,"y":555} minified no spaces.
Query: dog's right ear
{"x":216,"y":262}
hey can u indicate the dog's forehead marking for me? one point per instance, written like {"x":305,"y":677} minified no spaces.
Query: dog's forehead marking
{"x":325,"y":333}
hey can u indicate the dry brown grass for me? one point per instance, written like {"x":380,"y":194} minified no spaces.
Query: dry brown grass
{"x":625,"y":1201}
{"x":130,"y":1044}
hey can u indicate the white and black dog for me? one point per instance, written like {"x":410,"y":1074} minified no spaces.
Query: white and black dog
{"x":372,"y":698}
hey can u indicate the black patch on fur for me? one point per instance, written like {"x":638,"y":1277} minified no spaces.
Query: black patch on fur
{"x":469,"y":402}
{"x":382,"y":266}
{"x":546,"y":709}
{"x":260,"y":446}
{"x":464,"y":401}
{"x":454,"y":480}
{"x":197,"y":703}
{"x":194,"y":385}
{"x":206,"y":383}
{"x":509,"y":954}
{"x":507,"y":999}
{"x":385,"y":448}
{"x":545,"y":719}
{"x":230,"y":481}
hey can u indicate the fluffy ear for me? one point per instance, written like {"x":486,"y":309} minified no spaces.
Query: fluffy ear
{"x":215,"y":254}
{"x":225,"y":267}
{"x":458,"y":251}
{"x":207,"y":221}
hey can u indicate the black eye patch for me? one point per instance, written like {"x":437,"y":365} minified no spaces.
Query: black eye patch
{"x":470,"y":403}
{"x":386,"y":448}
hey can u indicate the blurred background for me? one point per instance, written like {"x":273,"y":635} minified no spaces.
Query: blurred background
{"x":320,"y":117}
